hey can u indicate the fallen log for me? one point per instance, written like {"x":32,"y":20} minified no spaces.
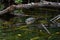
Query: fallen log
{"x":30,"y":5}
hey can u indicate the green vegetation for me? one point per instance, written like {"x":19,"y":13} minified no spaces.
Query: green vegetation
{"x":9,"y":31}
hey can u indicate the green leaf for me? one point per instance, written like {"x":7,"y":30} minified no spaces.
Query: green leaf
{"x":18,"y":1}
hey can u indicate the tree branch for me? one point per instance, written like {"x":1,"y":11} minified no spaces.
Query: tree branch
{"x":30,"y":5}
